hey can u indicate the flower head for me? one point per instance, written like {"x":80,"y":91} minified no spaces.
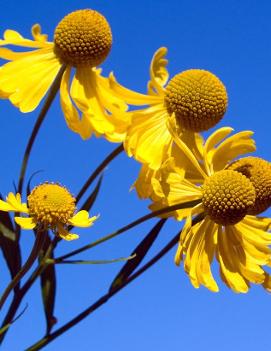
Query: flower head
{"x":224,"y":228}
{"x":83,"y":37}
{"x":193,"y":101}
{"x":258,"y":171}
{"x":197,"y":98}
{"x":82,"y":40}
{"x":50,"y":206}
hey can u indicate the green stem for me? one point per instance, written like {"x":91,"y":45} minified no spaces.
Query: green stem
{"x":102,"y":300}
{"x":28,"y":264}
{"x":129,"y":226}
{"x":98,"y":170}
{"x":49,"y":99}
{"x":19,"y":295}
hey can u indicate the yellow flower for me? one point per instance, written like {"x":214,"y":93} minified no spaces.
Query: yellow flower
{"x":225,"y":230}
{"x":50,"y":206}
{"x":196,"y":98}
{"x":207,"y":157}
{"x":82,"y":40}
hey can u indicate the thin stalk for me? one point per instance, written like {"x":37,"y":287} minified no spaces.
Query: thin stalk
{"x":129,"y":226}
{"x":48,"y":101}
{"x":98,"y":170}
{"x":102,"y":300}
{"x":19,"y":295}
{"x":25,"y":268}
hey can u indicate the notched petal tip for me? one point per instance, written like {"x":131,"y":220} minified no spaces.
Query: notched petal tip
{"x":82,"y":219}
{"x":25,"y":223}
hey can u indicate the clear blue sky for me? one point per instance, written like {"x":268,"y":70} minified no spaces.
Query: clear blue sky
{"x":161,"y":310}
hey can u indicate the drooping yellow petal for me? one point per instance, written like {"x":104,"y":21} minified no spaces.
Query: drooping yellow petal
{"x":236,"y":145}
{"x":203,"y":254}
{"x":11,"y":37}
{"x":267,"y":282}
{"x":229,"y":273}
{"x":37,"y":35}
{"x":115,"y":106}
{"x":158,"y":73}
{"x":143,"y":184}
{"x":81,"y":219}
{"x":254,"y":234}
{"x":186,"y":232}
{"x":13,"y":203}
{"x":210,"y":144}
{"x":64,"y":234}
{"x":247,"y":265}
{"x":171,"y":123}
{"x":94,"y":102}
{"x":262,"y":223}
{"x":10,"y":55}
{"x":132,"y":97}
{"x":25,"y":223}
{"x":148,"y":138}
{"x":72,"y":117}
{"x":256,"y":249}
{"x":25,"y":81}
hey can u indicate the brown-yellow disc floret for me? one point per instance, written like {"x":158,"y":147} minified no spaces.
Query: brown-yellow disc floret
{"x":83,"y":37}
{"x":51,"y":204}
{"x":258,"y":171}
{"x":227,"y":196}
{"x":197,"y":98}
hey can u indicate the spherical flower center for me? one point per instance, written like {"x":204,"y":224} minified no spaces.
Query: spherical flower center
{"x":51,"y":204}
{"x":258,"y":171}
{"x":197,"y":98}
{"x":83,"y":37}
{"x":227,"y":196}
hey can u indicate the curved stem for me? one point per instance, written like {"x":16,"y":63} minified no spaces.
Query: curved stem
{"x":98,"y":170}
{"x":129,"y":226}
{"x":102,"y":300}
{"x":49,"y":99}
{"x":28,"y":264}
{"x":19,"y":295}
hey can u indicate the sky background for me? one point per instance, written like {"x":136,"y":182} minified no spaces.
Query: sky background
{"x":161,"y":310}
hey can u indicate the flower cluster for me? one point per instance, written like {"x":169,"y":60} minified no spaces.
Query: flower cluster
{"x":161,"y":131}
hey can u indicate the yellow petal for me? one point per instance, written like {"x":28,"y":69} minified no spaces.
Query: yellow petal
{"x":158,"y":72}
{"x":228,"y":271}
{"x":132,"y":97}
{"x":82,"y":127}
{"x":25,"y":81}
{"x":148,"y":138}
{"x":171,"y":123}
{"x":236,"y":145}
{"x":64,"y":234}
{"x":12,"y":37}
{"x":263,"y":223}
{"x":25,"y":223}
{"x":267,"y":282}
{"x":37,"y":35}
{"x":13,"y":203}
{"x":10,"y":55}
{"x":81,"y":219}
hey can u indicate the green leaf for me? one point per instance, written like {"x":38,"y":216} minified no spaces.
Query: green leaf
{"x":9,"y":243}
{"x":120,"y":259}
{"x":140,"y":251}
{"x":5,"y":327}
{"x":28,"y":187}
{"x":48,"y":288}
